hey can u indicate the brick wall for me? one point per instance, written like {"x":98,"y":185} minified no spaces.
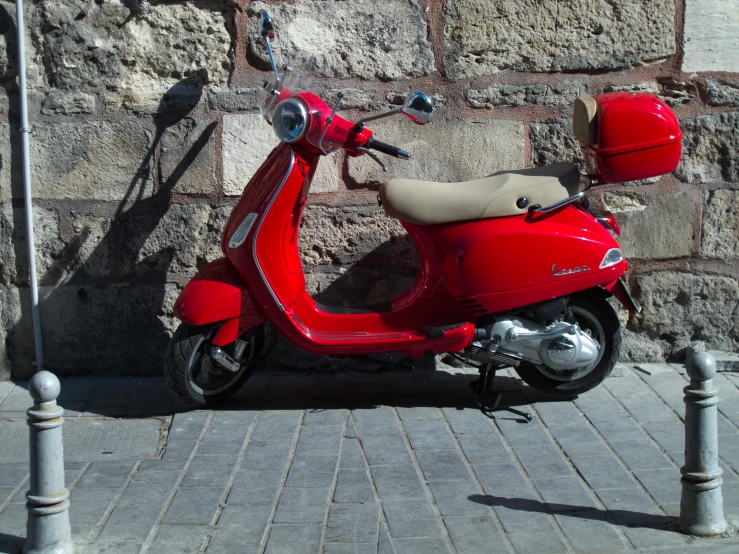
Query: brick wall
{"x":141,"y":147}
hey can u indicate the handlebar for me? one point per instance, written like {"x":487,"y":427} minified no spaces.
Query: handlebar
{"x":388,"y":149}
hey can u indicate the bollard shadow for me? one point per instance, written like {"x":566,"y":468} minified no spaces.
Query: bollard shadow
{"x":10,"y":544}
{"x":627,"y":518}
{"x":101,"y":297}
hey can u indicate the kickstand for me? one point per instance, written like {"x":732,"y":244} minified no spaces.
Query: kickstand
{"x":486,"y":399}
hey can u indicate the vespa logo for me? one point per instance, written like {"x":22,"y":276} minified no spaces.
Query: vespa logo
{"x":556,"y":272}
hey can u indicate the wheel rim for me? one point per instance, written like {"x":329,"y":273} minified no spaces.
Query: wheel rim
{"x":202,"y":372}
{"x":587,"y":322}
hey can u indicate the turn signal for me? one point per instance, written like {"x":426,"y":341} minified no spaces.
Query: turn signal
{"x":608,"y":220}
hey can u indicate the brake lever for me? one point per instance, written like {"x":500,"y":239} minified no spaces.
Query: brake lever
{"x":373,"y":156}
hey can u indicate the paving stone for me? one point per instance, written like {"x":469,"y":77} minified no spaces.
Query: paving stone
{"x":640,"y":455}
{"x":564,"y":494}
{"x":397,"y":483}
{"x":520,"y":434}
{"x":384,"y":544}
{"x":501,"y":479}
{"x":175,"y":456}
{"x":293,"y":539}
{"x":442,"y":465}
{"x":13,"y":520}
{"x":618,"y":427}
{"x":222,"y":441}
{"x":5,"y":492}
{"x":324,"y":417}
{"x":558,"y":415}
{"x":671,"y":438}
{"x":380,"y":421}
{"x":647,"y":409}
{"x":336,"y":548}
{"x":662,"y":484}
{"x":88,"y":505}
{"x":484,"y":449}
{"x":603,"y":473}
{"x":351,"y":455}
{"x":587,"y":531}
{"x":311,"y":471}
{"x":467,"y":421}
{"x":543,"y":461}
{"x":188,"y":538}
{"x":353,"y":523}
{"x":232,"y":418}
{"x":187,"y":426}
{"x":255,"y":487}
{"x":248,"y":523}
{"x":267,"y":456}
{"x":631,"y":507}
{"x":642,"y":537}
{"x":299,"y":505}
{"x":209,"y":471}
{"x":194,"y":506}
{"x":114,"y":547}
{"x":519,"y":513}
{"x":386,"y":450}
{"x":149,"y":487}
{"x":472,"y":535}
{"x":418,"y":413}
{"x":11,"y":475}
{"x":458,"y":498}
{"x":410,"y":518}
{"x":276,"y":426}
{"x":319,"y":441}
{"x":217,"y":547}
{"x":578,"y":443}
{"x":130,"y":521}
{"x":353,"y":485}
{"x":537,"y":543}
{"x":428,"y":434}
{"x":421,"y":546}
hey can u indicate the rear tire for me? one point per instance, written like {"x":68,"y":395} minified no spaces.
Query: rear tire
{"x":192,"y":376}
{"x":589,"y":311}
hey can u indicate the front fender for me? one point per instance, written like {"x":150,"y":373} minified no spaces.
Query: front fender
{"x":217,"y":293}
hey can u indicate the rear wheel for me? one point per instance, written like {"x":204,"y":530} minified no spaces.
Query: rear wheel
{"x":596,"y":318}
{"x":192,"y":375}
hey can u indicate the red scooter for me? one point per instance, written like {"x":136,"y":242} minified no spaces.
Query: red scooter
{"x":515,"y":270}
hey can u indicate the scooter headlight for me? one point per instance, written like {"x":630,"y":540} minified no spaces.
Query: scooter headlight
{"x":612,"y":257}
{"x":290,"y":120}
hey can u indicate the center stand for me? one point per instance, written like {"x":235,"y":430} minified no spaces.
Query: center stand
{"x":486,"y":399}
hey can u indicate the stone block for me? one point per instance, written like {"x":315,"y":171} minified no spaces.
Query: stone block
{"x":299,"y":505}
{"x":720,"y":237}
{"x":353,"y":486}
{"x":255,"y":487}
{"x":346,"y":39}
{"x":397,"y":483}
{"x":9,"y":46}
{"x":227,"y":100}
{"x":637,"y":347}
{"x":352,"y":523}
{"x":709,"y":146}
{"x":188,"y":157}
{"x":106,"y":321}
{"x":560,"y":95}
{"x":10,"y":315}
{"x":359,"y":285}
{"x":354,"y":234}
{"x":710,"y":35}
{"x":428,"y":434}
{"x":59,"y":102}
{"x":484,"y":37}
{"x":721,"y":93}
{"x":666,"y":219}
{"x":444,"y":150}
{"x":678,"y":308}
{"x":411,"y":518}
{"x":137,"y":45}
{"x":442,"y":465}
{"x":294,"y":539}
{"x":83,"y":160}
{"x":553,"y":141}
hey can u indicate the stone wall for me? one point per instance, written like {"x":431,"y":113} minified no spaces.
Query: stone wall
{"x":141,"y":147}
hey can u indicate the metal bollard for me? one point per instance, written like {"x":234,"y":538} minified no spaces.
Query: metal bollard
{"x":49,"y":531}
{"x":701,"y":504}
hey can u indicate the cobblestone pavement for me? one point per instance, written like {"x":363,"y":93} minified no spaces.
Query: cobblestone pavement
{"x":395,"y":462}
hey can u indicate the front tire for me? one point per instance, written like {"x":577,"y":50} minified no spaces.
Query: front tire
{"x":191,"y":374}
{"x":594,"y":315}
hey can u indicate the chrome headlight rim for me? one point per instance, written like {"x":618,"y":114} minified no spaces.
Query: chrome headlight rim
{"x":301,"y":109}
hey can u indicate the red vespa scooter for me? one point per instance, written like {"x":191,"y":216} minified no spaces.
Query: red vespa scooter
{"x":515,"y":269}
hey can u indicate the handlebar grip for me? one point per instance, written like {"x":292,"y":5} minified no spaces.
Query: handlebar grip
{"x":388,"y":149}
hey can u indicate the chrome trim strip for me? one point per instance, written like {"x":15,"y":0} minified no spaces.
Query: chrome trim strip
{"x":561,"y":203}
{"x":259,"y":228}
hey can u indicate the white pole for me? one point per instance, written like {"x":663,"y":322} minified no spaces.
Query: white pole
{"x":25,"y":130}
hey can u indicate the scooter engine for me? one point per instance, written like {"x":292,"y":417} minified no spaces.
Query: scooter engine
{"x":509,"y":340}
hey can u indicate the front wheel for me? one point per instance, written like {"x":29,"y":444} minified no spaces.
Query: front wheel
{"x":595,"y":317}
{"x":192,"y":375}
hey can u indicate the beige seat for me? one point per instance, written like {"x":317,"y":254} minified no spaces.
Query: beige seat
{"x":427,"y":202}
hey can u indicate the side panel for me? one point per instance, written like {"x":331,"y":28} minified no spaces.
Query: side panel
{"x":217,"y":293}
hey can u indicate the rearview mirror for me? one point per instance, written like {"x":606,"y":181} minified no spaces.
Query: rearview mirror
{"x":266,"y":29}
{"x":418,"y":108}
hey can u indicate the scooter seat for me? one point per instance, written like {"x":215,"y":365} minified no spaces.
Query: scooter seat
{"x":427,"y":202}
